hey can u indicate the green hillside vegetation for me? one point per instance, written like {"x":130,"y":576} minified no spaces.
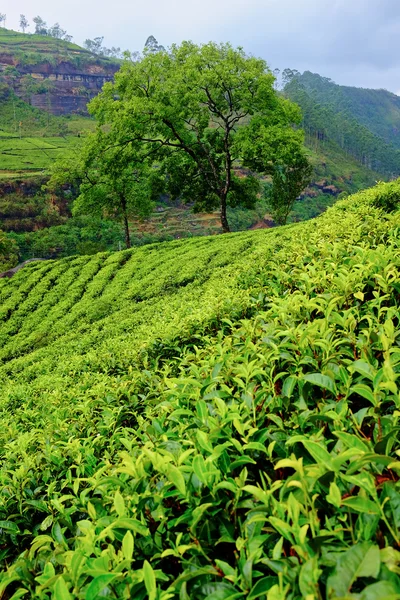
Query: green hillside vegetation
{"x":208,"y":418}
{"x":31,"y":49}
{"x":378,"y":110}
{"x":335,"y":172}
{"x":20,"y":118}
{"x":326,"y":121}
{"x":30,"y":155}
{"x":31,"y":140}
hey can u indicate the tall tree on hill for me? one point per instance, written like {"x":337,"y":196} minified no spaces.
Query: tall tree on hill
{"x":40,"y":26}
{"x":3,"y":18}
{"x":95,"y":45}
{"x":193,"y":110}
{"x":152,"y":45}
{"x":23,"y":23}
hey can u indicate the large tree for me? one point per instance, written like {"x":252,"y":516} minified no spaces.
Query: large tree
{"x":194,"y":109}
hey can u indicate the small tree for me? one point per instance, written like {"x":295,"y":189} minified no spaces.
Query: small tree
{"x":40,"y":26}
{"x":287,"y":164}
{"x":288,"y":181}
{"x":23,"y":22}
{"x":95,"y":46}
{"x":195,"y":110}
{"x":113,"y":183}
{"x":56,"y":32}
{"x":3,"y":18}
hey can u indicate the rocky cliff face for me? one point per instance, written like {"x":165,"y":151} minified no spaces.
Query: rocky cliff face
{"x":61,"y":89}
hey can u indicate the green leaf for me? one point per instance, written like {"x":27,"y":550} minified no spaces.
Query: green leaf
{"x":393,"y":503}
{"x":262,"y":587}
{"x":132,"y":524}
{"x":288,"y":386}
{"x":323,"y":381}
{"x":119,"y":504}
{"x":364,"y":391}
{"x":319,"y":454}
{"x":283,"y":528}
{"x":61,"y":591}
{"x":361,"y":560}
{"x":149,"y":580}
{"x":199,"y":468}
{"x":127,"y":546}
{"x":220,"y":590}
{"x":19,"y":594}
{"x":308,"y":578}
{"x":203,"y":441}
{"x":364,"y":368}
{"x":98,"y":584}
{"x":334,"y":496}
{"x":382,"y":590}
{"x":352,"y":441}
{"x":176,"y":477}
{"x":48,"y":521}
{"x":362,"y":505}
{"x":9,"y":526}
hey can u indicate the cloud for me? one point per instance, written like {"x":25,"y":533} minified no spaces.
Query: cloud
{"x":352,"y":41}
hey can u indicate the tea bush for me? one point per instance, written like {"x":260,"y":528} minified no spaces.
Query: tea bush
{"x":212,"y":418}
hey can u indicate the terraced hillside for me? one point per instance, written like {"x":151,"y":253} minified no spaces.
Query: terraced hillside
{"x":53,"y":74}
{"x":30,"y":155}
{"x":211,"y":418}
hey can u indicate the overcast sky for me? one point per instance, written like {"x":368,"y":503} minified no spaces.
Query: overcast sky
{"x":354,"y":42}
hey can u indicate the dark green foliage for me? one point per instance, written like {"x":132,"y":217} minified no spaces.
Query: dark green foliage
{"x":192,"y":113}
{"x":387,"y":196}
{"x":212,"y":418}
{"x":377,"y":110}
{"x":80,"y":235}
{"x":327,"y":118}
{"x":8,"y":252}
{"x":288,"y":182}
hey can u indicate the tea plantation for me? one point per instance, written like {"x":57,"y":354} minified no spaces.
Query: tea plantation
{"x":208,"y":419}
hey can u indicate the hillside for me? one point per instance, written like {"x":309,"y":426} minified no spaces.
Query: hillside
{"x":51,"y":74}
{"x":377,"y":110}
{"x":209,"y":418}
{"x":54,"y":75}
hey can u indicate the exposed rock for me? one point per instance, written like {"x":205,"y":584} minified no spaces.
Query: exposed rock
{"x":71,"y":87}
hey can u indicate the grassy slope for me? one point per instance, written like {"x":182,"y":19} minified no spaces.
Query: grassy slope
{"x":18,"y":119}
{"x":26,"y":49}
{"x":206,"y":417}
{"x":30,"y":155}
{"x":31,"y":140}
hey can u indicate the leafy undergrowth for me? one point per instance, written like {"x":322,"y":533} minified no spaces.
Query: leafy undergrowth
{"x":207,"y":419}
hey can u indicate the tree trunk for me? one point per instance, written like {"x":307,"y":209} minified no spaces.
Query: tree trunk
{"x":126,"y":228}
{"x":224,"y":219}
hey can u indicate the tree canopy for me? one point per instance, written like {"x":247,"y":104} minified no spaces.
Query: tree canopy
{"x":113,"y":181}
{"x":189,"y":117}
